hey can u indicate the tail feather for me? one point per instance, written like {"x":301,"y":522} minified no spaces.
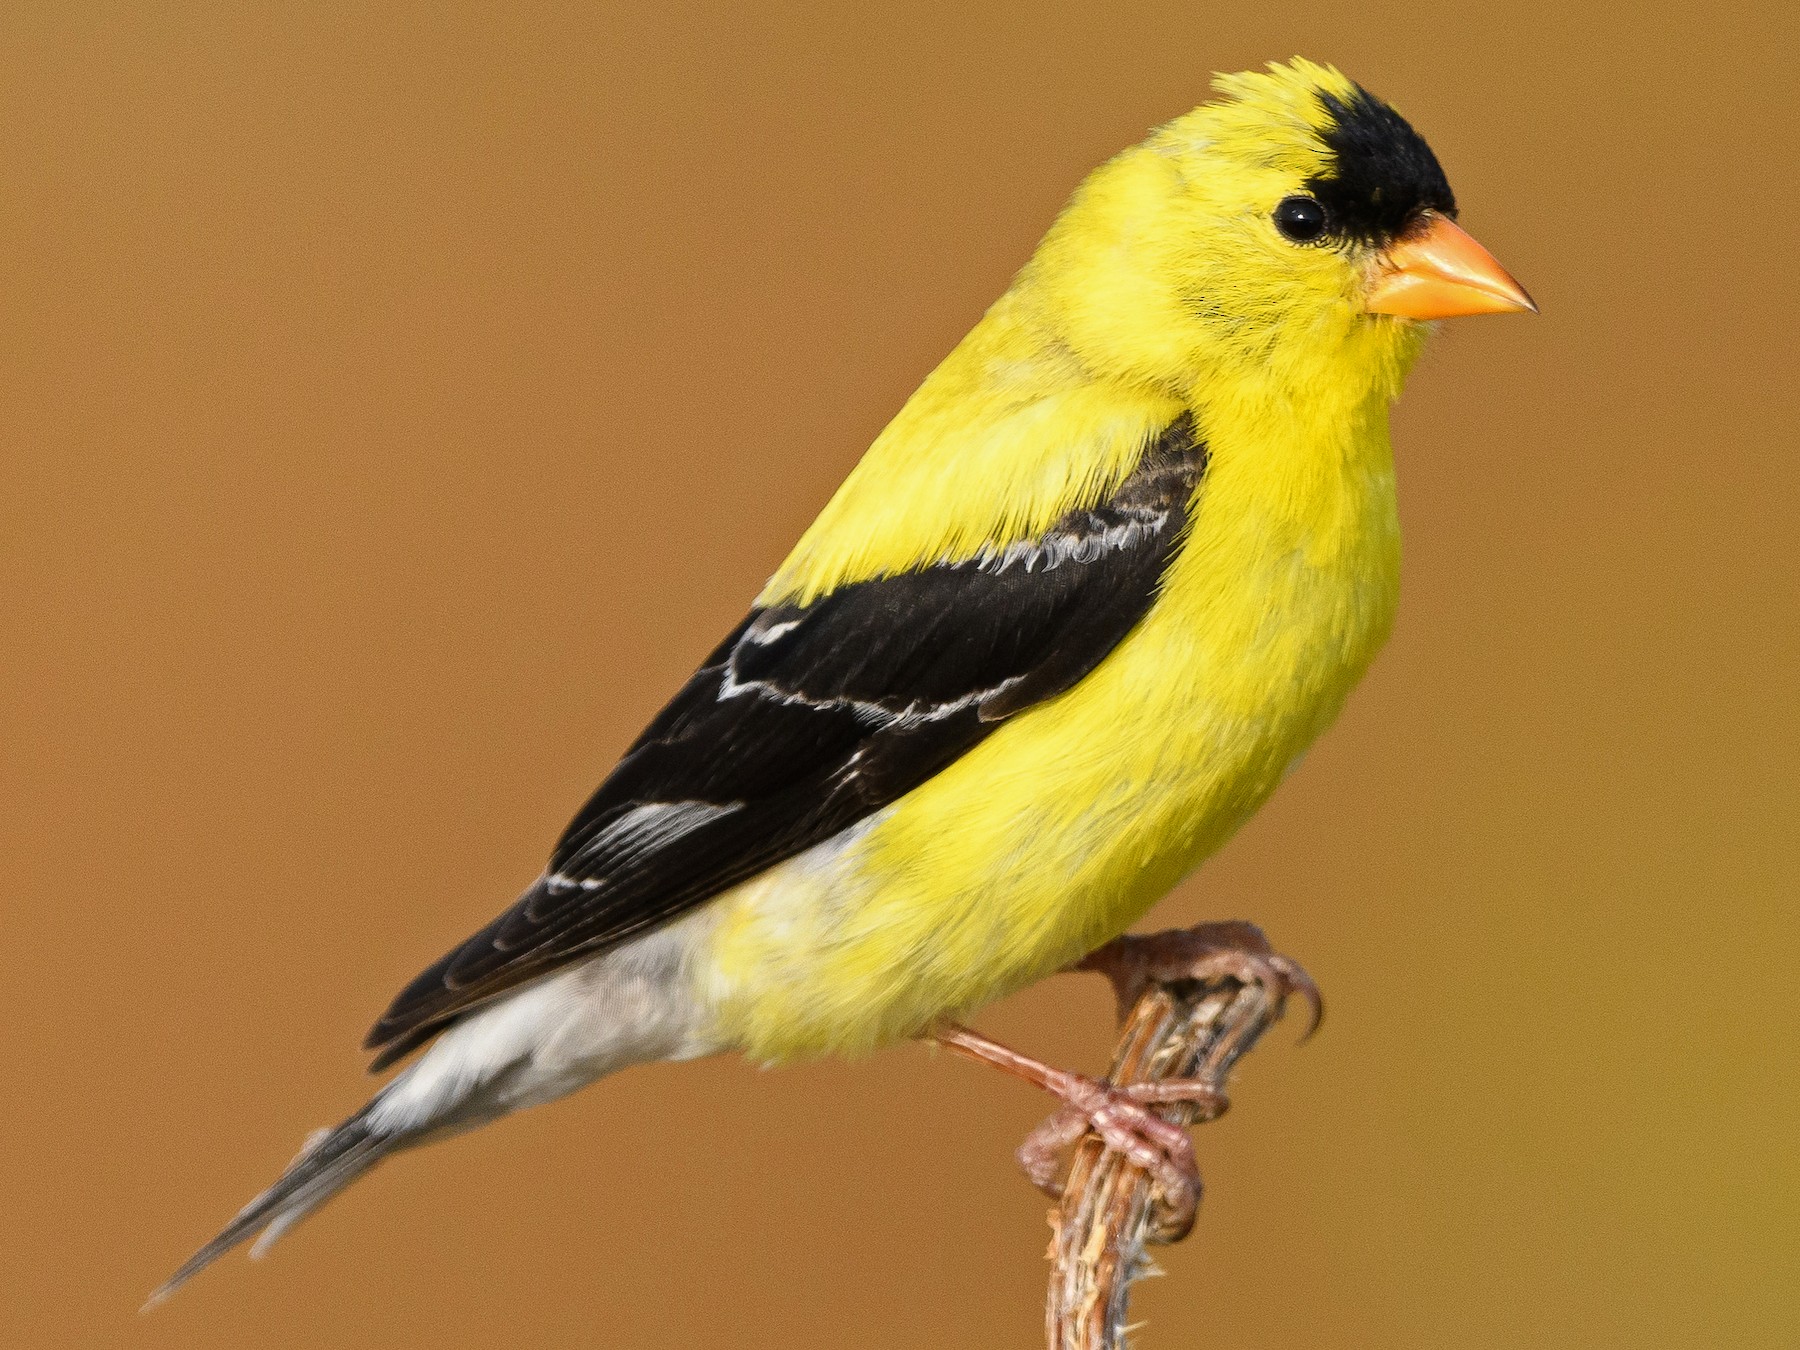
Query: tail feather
{"x":331,"y":1160}
{"x":534,"y":1045}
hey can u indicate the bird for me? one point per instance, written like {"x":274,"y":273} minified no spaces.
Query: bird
{"x":1064,"y":627}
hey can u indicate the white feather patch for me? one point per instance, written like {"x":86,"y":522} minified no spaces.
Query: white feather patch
{"x":640,"y":831}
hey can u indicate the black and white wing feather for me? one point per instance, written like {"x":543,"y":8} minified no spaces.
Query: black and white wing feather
{"x":807,"y":719}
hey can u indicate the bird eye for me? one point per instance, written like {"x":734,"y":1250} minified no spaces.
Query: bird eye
{"x":1300,"y":218}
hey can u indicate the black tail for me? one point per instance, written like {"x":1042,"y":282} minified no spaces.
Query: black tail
{"x":331,"y":1160}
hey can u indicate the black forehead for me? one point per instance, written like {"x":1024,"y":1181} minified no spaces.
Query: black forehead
{"x":1382,"y":173}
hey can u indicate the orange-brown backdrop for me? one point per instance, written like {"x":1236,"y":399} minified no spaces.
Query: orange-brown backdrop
{"x":398,"y":399}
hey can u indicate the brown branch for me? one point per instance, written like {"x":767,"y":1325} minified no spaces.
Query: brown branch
{"x":1108,"y":1214}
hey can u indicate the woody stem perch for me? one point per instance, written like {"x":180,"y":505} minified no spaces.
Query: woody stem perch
{"x":1108,"y":1214}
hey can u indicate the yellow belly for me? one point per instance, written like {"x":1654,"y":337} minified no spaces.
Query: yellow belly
{"x":1062,"y":828}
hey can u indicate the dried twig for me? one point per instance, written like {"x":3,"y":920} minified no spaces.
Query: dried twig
{"x":1108,"y":1214}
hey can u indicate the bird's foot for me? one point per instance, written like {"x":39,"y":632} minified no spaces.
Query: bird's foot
{"x":1120,"y":1114}
{"x":1230,"y":950}
{"x":1123,"y":1114}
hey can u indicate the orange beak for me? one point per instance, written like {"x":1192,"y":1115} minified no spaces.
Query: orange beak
{"x":1440,"y":272}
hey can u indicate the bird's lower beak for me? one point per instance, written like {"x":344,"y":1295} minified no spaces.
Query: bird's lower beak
{"x":1439,"y":272}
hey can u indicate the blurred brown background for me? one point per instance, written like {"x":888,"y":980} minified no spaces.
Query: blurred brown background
{"x":398,"y":400}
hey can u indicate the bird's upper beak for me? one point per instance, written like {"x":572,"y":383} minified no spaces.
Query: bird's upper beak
{"x":1438,"y":272}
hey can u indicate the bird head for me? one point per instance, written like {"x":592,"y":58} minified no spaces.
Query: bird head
{"x":1296,"y":222}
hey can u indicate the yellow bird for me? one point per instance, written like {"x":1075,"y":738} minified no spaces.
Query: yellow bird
{"x":1063,"y":629}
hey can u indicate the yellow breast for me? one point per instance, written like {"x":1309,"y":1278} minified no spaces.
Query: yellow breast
{"x":1066,"y":825}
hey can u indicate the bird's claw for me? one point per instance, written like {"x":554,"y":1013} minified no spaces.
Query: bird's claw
{"x":1121,"y":1115}
{"x":1230,"y":950}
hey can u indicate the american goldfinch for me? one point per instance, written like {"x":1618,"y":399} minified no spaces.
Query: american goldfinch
{"x":1061,"y":631}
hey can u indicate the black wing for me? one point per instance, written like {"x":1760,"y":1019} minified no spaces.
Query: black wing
{"x":806,"y":719}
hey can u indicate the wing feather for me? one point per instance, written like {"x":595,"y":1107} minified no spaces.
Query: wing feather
{"x":807,"y":719}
